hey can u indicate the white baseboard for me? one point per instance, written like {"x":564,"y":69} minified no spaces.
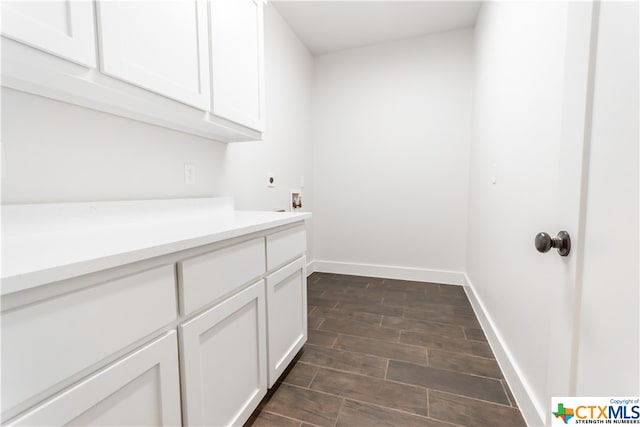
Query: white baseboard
{"x":311,"y":268}
{"x":532,"y":410}
{"x":387,"y":272}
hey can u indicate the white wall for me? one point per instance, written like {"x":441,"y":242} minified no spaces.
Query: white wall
{"x":518,"y":93}
{"x":608,"y":352}
{"x":57,"y":152}
{"x":391,"y":129}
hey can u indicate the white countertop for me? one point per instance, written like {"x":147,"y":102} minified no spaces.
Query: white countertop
{"x":51,"y":242}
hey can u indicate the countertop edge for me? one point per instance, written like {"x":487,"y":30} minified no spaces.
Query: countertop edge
{"x":25,"y":281}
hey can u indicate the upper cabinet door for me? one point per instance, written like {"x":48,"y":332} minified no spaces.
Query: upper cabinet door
{"x":63,"y":28}
{"x":161,"y":46}
{"x":237,"y":61}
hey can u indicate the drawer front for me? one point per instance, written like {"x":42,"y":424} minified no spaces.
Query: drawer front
{"x":142,"y":389}
{"x":207,"y":278}
{"x":285,"y":246}
{"x":45,"y":343}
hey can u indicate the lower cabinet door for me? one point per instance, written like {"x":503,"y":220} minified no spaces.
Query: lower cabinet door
{"x":224,"y":360}
{"x":143,"y":388}
{"x":287,"y":315}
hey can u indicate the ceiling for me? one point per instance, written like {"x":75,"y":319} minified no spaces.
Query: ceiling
{"x":326,"y":26}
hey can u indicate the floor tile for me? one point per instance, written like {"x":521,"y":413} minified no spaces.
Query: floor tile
{"x":408,"y":285}
{"x":507,"y":389}
{"x":323,"y":286}
{"x":313,"y":322}
{"x":315,"y":293}
{"x":360,"y":329}
{"x":310,"y":309}
{"x":339,"y":313}
{"x":407,"y":353}
{"x":321,"y":302}
{"x":439,"y":342}
{"x":389,"y":352}
{"x":322,"y":338}
{"x":452,"y":290}
{"x":453,"y":382}
{"x":464,"y":363}
{"x":357,"y":279}
{"x":440,"y":314}
{"x":314,"y":277}
{"x":265,"y":419}
{"x":471,"y":412}
{"x":372,"y":390}
{"x":348,"y":295}
{"x":475,"y":334}
{"x":362,"y":414}
{"x":305,"y":405}
{"x":417,"y":325}
{"x":385,"y":310}
{"x":357,"y":363}
{"x":300,"y":374}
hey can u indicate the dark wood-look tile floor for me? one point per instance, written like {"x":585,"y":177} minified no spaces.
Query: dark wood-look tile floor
{"x":384,"y":352}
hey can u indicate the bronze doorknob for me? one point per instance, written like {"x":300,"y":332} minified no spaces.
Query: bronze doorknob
{"x":544,"y":242}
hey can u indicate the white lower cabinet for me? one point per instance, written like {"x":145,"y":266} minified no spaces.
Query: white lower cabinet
{"x":286,"y":315}
{"x":143,"y":388}
{"x":118,"y":352}
{"x":223,"y":360}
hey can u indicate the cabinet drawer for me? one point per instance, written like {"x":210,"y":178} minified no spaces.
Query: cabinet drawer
{"x":207,"y":278}
{"x":48,"y":342}
{"x":285,"y":246}
{"x":142,"y":389}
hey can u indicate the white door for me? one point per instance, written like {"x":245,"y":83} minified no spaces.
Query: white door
{"x":161,"y":46}
{"x":63,"y":28}
{"x":598,"y":199}
{"x":287,"y":315}
{"x":237,"y":61}
{"x":533,"y":171}
{"x":143,"y":389}
{"x":224,"y":361}
{"x":607,"y":353}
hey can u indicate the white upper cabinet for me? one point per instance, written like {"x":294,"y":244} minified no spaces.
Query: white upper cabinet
{"x":237,"y":48}
{"x":161,"y":46}
{"x":63,"y":28}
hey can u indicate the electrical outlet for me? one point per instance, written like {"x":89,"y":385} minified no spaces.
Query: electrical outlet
{"x":271,"y":180}
{"x":189,"y":174}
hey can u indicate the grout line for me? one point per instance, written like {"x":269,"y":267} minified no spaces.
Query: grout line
{"x":312,"y":310}
{"x":339,"y":411}
{"x":363,"y":401}
{"x":381,"y":317}
{"x":506,"y":389}
{"x":287,"y":417}
{"x":386,"y":370}
{"x":333,"y":344}
{"x":312,"y":379}
{"x":476,"y":399}
{"x":428,"y":405}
